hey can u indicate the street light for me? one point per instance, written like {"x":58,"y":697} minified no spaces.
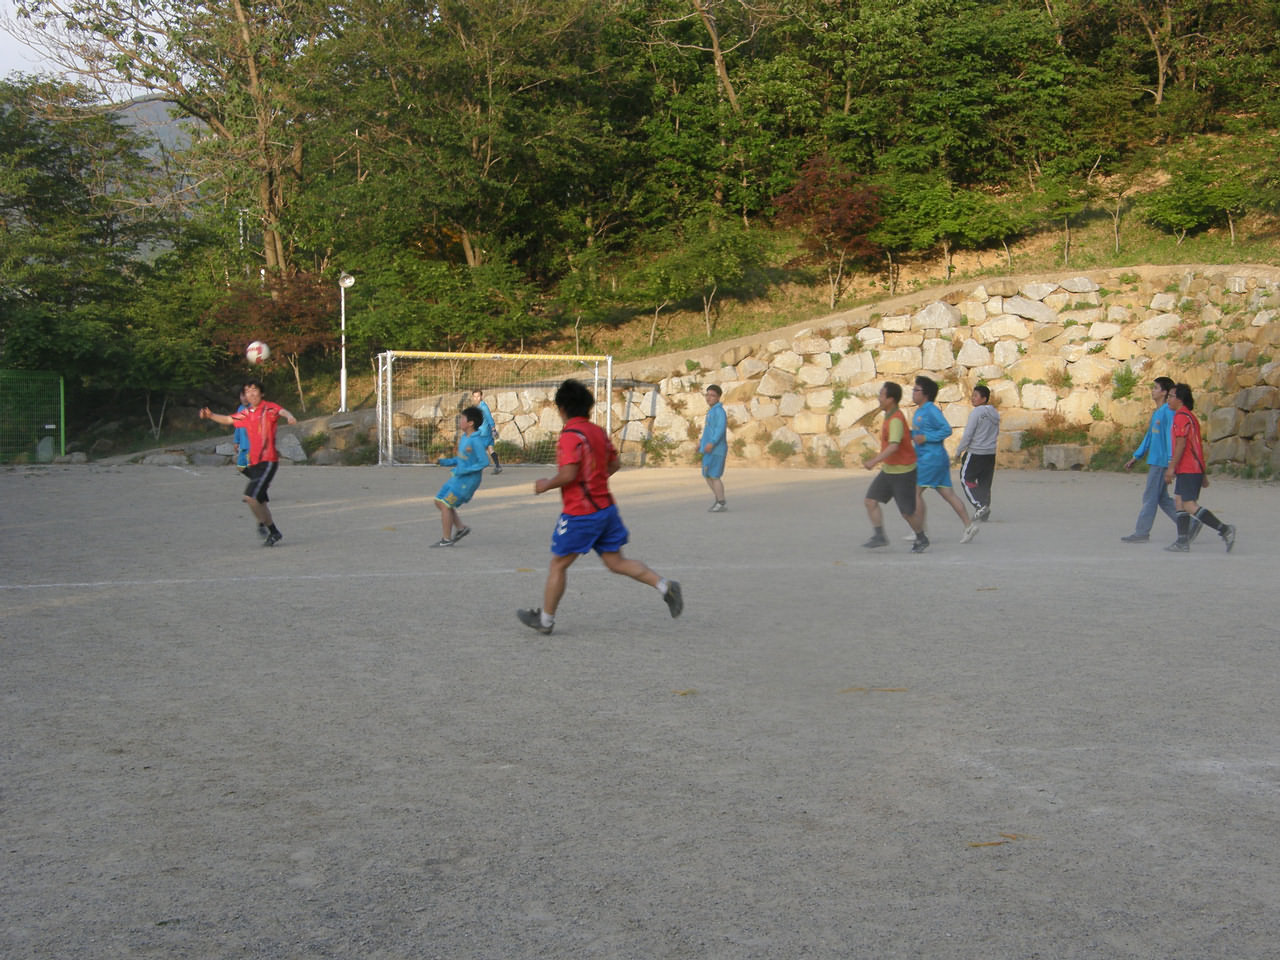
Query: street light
{"x":344,"y":281}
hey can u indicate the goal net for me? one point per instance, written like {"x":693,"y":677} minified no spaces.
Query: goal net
{"x":32,"y":416}
{"x":421,"y":393}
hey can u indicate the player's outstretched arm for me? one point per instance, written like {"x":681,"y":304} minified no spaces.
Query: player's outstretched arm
{"x":564,"y":476}
{"x":222,"y":418}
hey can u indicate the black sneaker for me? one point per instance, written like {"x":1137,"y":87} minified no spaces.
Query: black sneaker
{"x":921,"y":544}
{"x":1136,"y":538}
{"x":1179,"y":546}
{"x":272,"y":539}
{"x":1229,"y":536}
{"x":460,"y":534}
{"x":533,"y":618}
{"x":673,"y":598}
{"x":442,"y":542}
{"x":877,"y":541}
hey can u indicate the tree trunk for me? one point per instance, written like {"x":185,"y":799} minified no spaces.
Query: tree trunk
{"x":718,"y":55}
{"x":297,"y":379}
{"x":707,"y":300}
{"x":1066,"y":241}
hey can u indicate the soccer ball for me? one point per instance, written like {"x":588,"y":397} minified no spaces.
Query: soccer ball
{"x":257,"y":352}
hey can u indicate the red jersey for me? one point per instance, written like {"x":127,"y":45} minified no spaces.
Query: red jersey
{"x":260,"y":424}
{"x":584,"y":443}
{"x":1186,"y":425}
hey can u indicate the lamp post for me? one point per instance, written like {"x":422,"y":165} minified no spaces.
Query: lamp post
{"x":344,"y":281}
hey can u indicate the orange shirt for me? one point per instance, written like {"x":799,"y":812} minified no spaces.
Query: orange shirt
{"x":905,"y":455}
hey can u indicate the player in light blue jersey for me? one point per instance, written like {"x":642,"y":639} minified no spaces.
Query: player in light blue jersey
{"x":929,"y":431}
{"x":468,"y":469}
{"x":714,"y":446}
{"x":488,"y":430}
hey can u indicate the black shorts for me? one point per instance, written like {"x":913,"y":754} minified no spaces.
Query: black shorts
{"x":899,"y":487}
{"x":1187,"y":486}
{"x":260,"y":475}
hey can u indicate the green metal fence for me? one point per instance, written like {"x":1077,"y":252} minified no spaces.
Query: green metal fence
{"x":33,"y":426}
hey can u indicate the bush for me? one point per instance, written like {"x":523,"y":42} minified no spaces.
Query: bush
{"x":1112,"y":453}
{"x":1055,"y":429}
{"x":658,"y":449}
{"x":781,"y":450}
{"x":1123,"y":383}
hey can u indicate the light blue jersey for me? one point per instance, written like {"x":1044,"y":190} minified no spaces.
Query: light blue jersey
{"x":1157,"y":445}
{"x":468,"y":469}
{"x":487,"y":426}
{"x":929,"y":431}
{"x":714,"y":432}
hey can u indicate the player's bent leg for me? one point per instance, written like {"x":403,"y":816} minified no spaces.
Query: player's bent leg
{"x":617,"y":563}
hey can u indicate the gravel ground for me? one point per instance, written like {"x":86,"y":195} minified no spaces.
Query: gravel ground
{"x":1046,"y":743}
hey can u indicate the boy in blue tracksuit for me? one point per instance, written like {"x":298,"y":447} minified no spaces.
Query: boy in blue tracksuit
{"x":488,"y":429}
{"x":1155,"y":446}
{"x":714,"y":447}
{"x":468,"y":468}
{"x":929,"y":431}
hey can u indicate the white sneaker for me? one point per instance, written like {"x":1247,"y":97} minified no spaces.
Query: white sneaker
{"x":970,"y":532}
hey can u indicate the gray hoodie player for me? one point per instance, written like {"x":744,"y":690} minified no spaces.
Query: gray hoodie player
{"x":977,"y":451}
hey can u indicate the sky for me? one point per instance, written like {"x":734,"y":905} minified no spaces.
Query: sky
{"x":16,"y":55}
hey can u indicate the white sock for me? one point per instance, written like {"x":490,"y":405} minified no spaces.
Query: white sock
{"x":662,"y":586}
{"x":548,"y":619}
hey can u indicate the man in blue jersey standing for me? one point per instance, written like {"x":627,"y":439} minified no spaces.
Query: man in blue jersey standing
{"x":488,"y":431}
{"x":714,"y":446}
{"x":1155,"y":446}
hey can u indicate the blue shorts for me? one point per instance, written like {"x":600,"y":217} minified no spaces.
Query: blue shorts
{"x":602,"y":531}
{"x":458,"y":490}
{"x":933,"y":473}
{"x":713,"y":465}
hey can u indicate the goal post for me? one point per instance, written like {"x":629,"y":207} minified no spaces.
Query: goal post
{"x":33,"y":422}
{"x":420,"y":394}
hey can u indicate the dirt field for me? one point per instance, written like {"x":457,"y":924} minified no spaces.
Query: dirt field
{"x":1043,"y":744}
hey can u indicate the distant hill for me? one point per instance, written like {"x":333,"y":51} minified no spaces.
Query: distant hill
{"x":153,"y":116}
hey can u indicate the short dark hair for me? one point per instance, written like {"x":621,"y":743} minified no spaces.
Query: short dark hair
{"x":1164,"y":383}
{"x":574,"y":398}
{"x":255,"y":382}
{"x":474,"y":415}
{"x":716,"y":388}
{"x":475,"y":390}
{"x":894,"y":390}
{"x":1183,"y":392}
{"x":983,"y":391}
{"x":930,"y":387}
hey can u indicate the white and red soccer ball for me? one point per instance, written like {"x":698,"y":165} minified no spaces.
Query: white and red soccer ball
{"x":257,"y":352}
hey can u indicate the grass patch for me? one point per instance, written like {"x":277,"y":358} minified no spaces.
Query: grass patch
{"x":1055,"y":429}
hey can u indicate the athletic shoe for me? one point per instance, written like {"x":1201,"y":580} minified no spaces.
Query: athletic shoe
{"x":970,"y":532}
{"x":1229,"y":536}
{"x":263,"y":531}
{"x":717,"y":507}
{"x":443,"y":542}
{"x":1179,"y":546}
{"x":533,"y":618}
{"x":674,"y":599}
{"x":460,"y":534}
{"x":880,"y":541}
{"x":921,"y":545}
{"x":983,"y":512}
{"x":499,"y":470}
{"x":1136,"y":538}
{"x":272,"y":539}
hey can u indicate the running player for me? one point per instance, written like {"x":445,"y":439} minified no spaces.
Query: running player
{"x":589,"y":519}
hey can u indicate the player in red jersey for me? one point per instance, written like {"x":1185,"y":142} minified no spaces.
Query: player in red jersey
{"x":259,"y":420}
{"x":589,"y":517}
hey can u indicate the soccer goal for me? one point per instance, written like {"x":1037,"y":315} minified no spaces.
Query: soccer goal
{"x":32,"y":416}
{"x":421,"y":393}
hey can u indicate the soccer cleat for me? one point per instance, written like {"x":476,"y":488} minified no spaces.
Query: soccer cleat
{"x":879,"y":542}
{"x":272,"y":539}
{"x":533,"y":618}
{"x":1136,"y":538}
{"x":443,"y":542}
{"x":673,"y":598}
{"x":1229,"y":536}
{"x":460,"y":534}
{"x":921,"y":544}
{"x":983,"y":512}
{"x":970,"y":532}
{"x":1179,"y":546}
